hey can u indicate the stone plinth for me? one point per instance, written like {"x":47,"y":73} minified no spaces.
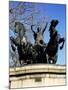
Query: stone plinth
{"x":37,"y":75}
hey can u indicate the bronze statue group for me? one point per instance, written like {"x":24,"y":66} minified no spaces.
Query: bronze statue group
{"x":40,"y":52}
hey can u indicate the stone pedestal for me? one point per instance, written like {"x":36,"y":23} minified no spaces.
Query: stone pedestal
{"x":37,"y":75}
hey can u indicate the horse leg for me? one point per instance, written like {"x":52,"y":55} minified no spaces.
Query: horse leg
{"x":61,"y":40}
{"x":50,"y":60}
{"x":53,"y":60}
{"x":47,"y":58}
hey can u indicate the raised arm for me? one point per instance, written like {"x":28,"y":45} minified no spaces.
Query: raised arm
{"x":32,"y":29}
{"x":45,"y":28}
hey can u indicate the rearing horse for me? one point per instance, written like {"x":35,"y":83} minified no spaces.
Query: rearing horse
{"x":24,"y":48}
{"x":55,"y":40}
{"x":20,"y":30}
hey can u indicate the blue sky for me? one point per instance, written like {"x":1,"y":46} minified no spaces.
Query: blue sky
{"x":53,"y":11}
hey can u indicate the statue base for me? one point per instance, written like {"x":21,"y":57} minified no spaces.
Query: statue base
{"x":37,"y":75}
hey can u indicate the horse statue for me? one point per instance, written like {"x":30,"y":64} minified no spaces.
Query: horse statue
{"x":53,"y":44}
{"x":20,"y":31}
{"x":39,"y":43}
{"x":40,"y":52}
{"x":25,"y":49}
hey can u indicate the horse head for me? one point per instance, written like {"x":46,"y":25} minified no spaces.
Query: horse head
{"x":20,"y":29}
{"x":52,"y":29}
{"x":54,"y":23}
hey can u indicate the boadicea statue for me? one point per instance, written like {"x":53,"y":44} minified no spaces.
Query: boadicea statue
{"x":40,"y":52}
